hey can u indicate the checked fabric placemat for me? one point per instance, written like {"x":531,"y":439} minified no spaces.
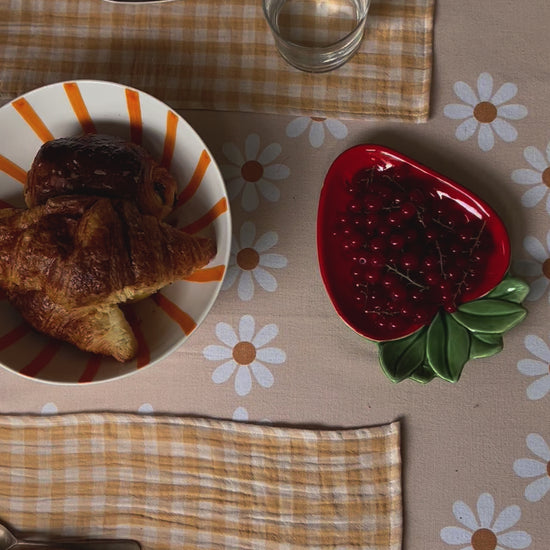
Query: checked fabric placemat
{"x":171,"y":482}
{"x":207,"y":54}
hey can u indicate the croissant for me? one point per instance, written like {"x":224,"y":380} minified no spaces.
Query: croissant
{"x":67,"y":264}
{"x":97,"y":164}
{"x":101,"y":329}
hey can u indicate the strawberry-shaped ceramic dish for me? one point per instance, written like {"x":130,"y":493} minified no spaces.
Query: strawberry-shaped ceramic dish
{"x":416,"y":263}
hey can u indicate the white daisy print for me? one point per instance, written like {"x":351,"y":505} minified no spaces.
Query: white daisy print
{"x":240,"y":414}
{"x":482,"y":533}
{"x":250,"y":260}
{"x":253,"y":172}
{"x":49,"y":408}
{"x":146,"y":408}
{"x":316,"y":125}
{"x":540,"y":469}
{"x":485,"y":111}
{"x":537,"y":367}
{"x":245,"y":354}
{"x":536,"y":267}
{"x":537,"y":177}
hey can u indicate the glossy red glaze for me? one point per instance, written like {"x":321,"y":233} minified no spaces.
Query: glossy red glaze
{"x":336,"y":267}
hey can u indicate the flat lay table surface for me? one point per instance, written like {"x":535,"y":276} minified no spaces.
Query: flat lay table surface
{"x":460,"y":87}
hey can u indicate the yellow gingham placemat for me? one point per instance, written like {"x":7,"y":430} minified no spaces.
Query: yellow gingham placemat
{"x":207,"y":54}
{"x":173,"y":482}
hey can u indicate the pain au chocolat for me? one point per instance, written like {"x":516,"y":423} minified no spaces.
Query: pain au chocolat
{"x":101,"y":165}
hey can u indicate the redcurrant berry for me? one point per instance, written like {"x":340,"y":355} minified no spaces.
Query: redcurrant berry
{"x":398,"y":292}
{"x":385,"y":229}
{"x":417,"y":295}
{"x":417,"y":196}
{"x":397,"y":240}
{"x":395,"y":322}
{"x":422,"y":315}
{"x":429,"y":263}
{"x":372,"y":221}
{"x":432,"y":278}
{"x":396,"y":218}
{"x":373,"y":202}
{"x":372,"y":275}
{"x":409,"y":260}
{"x":355,"y":206}
{"x":377,"y":259}
{"x":389,"y":279}
{"x":408,"y":210}
{"x":378,"y":243}
{"x":454,"y":273}
{"x":410,"y":234}
{"x":431,"y":234}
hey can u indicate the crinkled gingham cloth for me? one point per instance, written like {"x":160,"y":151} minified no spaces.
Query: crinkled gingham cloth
{"x":172,"y":482}
{"x":207,"y":54}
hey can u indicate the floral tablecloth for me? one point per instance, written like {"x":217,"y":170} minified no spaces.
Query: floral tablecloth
{"x":476,"y":455}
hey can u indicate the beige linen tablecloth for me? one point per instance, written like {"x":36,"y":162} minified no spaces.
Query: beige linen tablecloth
{"x":475,"y":454}
{"x":217,"y":55}
{"x":174,"y":483}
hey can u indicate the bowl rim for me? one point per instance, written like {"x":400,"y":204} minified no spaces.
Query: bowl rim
{"x":224,"y":259}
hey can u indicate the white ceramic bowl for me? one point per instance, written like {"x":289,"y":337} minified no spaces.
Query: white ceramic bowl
{"x":164,"y":321}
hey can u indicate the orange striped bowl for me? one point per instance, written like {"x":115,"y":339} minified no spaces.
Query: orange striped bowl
{"x":164,"y":321}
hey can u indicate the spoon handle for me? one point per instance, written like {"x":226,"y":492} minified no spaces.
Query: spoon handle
{"x":137,"y":1}
{"x":78,"y":545}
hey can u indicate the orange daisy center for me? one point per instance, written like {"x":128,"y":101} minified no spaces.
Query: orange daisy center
{"x":252,"y":170}
{"x":244,"y":353}
{"x":484,"y":539}
{"x":248,"y":259}
{"x":485,"y":112}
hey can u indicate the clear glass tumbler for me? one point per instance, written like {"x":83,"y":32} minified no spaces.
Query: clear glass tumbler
{"x":316,"y":35}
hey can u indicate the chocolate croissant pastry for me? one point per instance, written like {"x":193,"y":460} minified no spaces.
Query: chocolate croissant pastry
{"x":67,"y":264}
{"x":100,"y":165}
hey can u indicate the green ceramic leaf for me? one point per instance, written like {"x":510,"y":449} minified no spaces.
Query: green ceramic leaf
{"x":489,"y":315}
{"x":423,"y":374}
{"x":475,"y":330}
{"x":489,"y":338}
{"x":510,"y":289}
{"x":485,"y":345}
{"x":399,"y":358}
{"x":447,"y":347}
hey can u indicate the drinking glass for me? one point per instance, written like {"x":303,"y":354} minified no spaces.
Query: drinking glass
{"x":316,"y":35}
